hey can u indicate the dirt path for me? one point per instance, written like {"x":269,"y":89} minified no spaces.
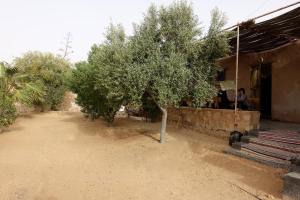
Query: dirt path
{"x":63,"y":156}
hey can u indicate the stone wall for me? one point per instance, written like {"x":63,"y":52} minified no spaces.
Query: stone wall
{"x":218,"y":122}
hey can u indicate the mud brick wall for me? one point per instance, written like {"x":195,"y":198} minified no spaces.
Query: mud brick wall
{"x":285,"y":78}
{"x":218,"y":122}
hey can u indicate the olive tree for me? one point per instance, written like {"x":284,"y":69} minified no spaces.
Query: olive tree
{"x":160,"y":48}
{"x":172,"y":60}
{"x":165,"y":59}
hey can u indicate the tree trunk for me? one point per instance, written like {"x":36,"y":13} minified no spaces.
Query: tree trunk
{"x":163,"y":124}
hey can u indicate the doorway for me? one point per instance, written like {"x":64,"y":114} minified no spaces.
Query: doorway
{"x":266,"y":91}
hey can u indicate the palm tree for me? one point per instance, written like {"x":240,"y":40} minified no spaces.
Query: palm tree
{"x":15,"y":87}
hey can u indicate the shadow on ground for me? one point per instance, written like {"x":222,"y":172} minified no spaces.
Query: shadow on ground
{"x":121,"y":129}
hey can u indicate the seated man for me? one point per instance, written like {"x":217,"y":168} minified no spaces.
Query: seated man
{"x":242,"y":99}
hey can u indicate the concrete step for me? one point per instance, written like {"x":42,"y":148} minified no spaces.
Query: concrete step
{"x":264,"y":159}
{"x":283,"y":136}
{"x":277,"y":138}
{"x":269,"y":151}
{"x":277,"y":145}
{"x":273,"y":147}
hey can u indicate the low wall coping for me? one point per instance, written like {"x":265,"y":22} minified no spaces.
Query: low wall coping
{"x":214,"y":109}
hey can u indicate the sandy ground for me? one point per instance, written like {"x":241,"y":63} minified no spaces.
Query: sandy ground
{"x":63,"y":156}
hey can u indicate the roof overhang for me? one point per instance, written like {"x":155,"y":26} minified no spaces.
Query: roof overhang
{"x":268,"y":35}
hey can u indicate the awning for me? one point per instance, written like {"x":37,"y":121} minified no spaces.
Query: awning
{"x":268,"y":34}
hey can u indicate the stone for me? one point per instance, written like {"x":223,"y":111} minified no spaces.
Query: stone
{"x":213,"y":119}
{"x":291,"y":187}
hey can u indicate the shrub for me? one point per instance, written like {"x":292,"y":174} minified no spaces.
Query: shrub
{"x":8,"y":112}
{"x":99,"y":83}
{"x":49,"y":72}
{"x":15,"y":87}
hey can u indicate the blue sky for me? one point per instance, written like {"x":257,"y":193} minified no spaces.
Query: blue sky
{"x":42,"y":24}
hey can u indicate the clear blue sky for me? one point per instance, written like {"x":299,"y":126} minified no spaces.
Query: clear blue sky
{"x":42,"y":24}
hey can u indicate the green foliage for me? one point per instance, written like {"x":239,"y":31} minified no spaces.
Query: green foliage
{"x":215,"y":45}
{"x":82,"y":83}
{"x":7,"y":110}
{"x":15,"y":87}
{"x":165,"y":60}
{"x":48,"y":72}
{"x":99,"y":83}
{"x":173,"y":61}
{"x":159,"y":51}
{"x":110,"y":60}
{"x":202,"y":60}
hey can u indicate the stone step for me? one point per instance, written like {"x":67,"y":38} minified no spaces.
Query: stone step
{"x":271,"y":161}
{"x":267,"y":143}
{"x":269,"y":151}
{"x":276,"y":147}
{"x":280,"y":139}
{"x":284,"y":136}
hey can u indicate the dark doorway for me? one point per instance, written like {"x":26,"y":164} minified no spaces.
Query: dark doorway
{"x":266,"y":91}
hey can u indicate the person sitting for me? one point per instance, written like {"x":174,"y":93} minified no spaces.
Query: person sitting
{"x":242,"y":99}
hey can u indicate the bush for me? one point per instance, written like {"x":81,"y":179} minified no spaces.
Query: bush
{"x":8,"y":111}
{"x":81,"y":82}
{"x":93,"y":100}
{"x":99,"y":83}
{"x":46,"y":70}
{"x":15,"y":87}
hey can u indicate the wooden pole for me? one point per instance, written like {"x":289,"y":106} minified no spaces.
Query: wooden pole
{"x":236,"y":76}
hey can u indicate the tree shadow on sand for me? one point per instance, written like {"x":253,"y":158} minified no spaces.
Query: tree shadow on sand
{"x":122,"y":128}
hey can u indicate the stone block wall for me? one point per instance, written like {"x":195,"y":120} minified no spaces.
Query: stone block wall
{"x":218,"y":122}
